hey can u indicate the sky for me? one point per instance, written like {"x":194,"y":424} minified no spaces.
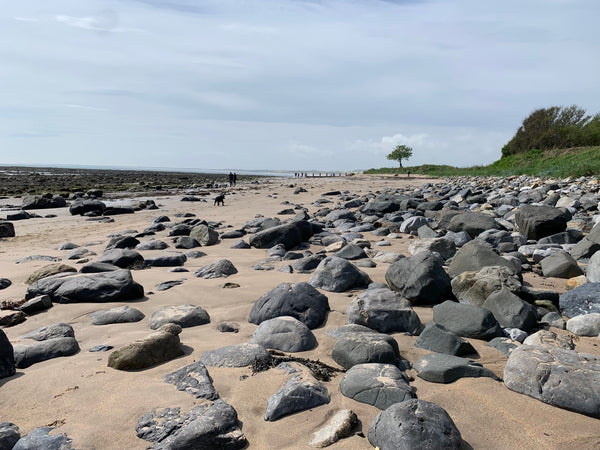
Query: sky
{"x":285,"y":84}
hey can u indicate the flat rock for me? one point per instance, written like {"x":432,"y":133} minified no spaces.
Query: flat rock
{"x":120,"y":314}
{"x":284,"y":333}
{"x":443,"y":368}
{"x":39,"y":438}
{"x":301,"y":392}
{"x":289,"y":234}
{"x":219,"y":269}
{"x":50,"y":332}
{"x":239,"y":355}
{"x":361,"y":348}
{"x":166,"y":260}
{"x":438,"y":339}
{"x":29,"y":354}
{"x":183,"y":315}
{"x":414,"y":425}
{"x":49,"y":270}
{"x":339,"y":427}
{"x":379,"y":385}
{"x":195,"y":380}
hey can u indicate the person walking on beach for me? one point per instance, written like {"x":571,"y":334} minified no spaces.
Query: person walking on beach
{"x":408,"y":172}
{"x":234,"y":178}
{"x":230,"y":179}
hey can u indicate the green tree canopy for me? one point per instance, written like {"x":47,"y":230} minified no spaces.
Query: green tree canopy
{"x":400,"y":152}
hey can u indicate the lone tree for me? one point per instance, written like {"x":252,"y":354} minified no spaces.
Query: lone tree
{"x":400,"y":152}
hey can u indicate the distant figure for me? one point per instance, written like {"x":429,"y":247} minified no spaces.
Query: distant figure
{"x":408,"y":172}
{"x":234,"y":178}
{"x":230,"y":179}
{"x":219,"y":200}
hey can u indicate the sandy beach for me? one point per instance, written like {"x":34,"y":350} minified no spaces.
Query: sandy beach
{"x":99,"y":407}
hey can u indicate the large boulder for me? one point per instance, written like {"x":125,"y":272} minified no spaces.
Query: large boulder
{"x":219,"y":269}
{"x":445,"y":247}
{"x":122,"y":242}
{"x":557,"y":376}
{"x":205,"y":235}
{"x":81,"y":207}
{"x":301,"y":392}
{"x":40,"y":438}
{"x":583,"y":299}
{"x":473,"y":223}
{"x":112,"y":286}
{"x":361,"y":348}
{"x":438,"y":339}
{"x":284,"y":333}
{"x":174,"y":260}
{"x":195,"y":380}
{"x":335,"y":274}
{"x":466,"y":320}
{"x":384,"y":310}
{"x":301,"y":301}
{"x":289,"y":234}
{"x":510,"y":311}
{"x":475,"y":287}
{"x":414,"y":425}
{"x":538,"y":221}
{"x":560,"y":265}
{"x":475,"y":255}
{"x":421,"y":279}
{"x":7,"y":229}
{"x":121,"y":257}
{"x":7,"y":357}
{"x":379,"y":385}
{"x":161,"y":346}
{"x":183,"y":315}
{"x":42,"y":202}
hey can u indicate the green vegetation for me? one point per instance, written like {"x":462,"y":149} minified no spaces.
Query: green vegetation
{"x":400,"y":152}
{"x":574,"y":162}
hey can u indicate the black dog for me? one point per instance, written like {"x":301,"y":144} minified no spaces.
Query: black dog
{"x":220,"y":199}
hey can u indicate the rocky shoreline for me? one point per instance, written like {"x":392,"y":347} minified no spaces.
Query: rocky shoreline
{"x":400,"y":313}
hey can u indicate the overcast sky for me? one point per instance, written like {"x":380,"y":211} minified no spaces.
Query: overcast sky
{"x":285,"y":84}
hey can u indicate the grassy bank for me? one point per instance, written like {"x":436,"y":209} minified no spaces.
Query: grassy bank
{"x":574,"y":162}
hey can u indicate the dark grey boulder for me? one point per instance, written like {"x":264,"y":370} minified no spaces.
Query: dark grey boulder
{"x":475,"y":255}
{"x":166,"y":285}
{"x":378,"y":207}
{"x":584,"y":325}
{"x":412,"y":224}
{"x":583,"y":299}
{"x":39,"y":438}
{"x":351,"y":252}
{"x":335,"y":274}
{"x":240,"y":355}
{"x":96,"y":267}
{"x":467,"y":320}
{"x":10,"y":318}
{"x":7,"y":229}
{"x":475,"y":287}
{"x":585,"y":248}
{"x":152,"y":244}
{"x":340,"y":214}
{"x":502,"y":344}
{"x":307,"y":263}
{"x":360,"y":348}
{"x":112,"y":286}
{"x":29,"y":354}
{"x":205,"y":235}
{"x":536,"y":222}
{"x":9,"y":434}
{"x":211,"y":425}
{"x":4,"y":283}
{"x":166,"y":260}
{"x":557,"y":376}
{"x":81,"y":207}
{"x":161,"y":346}
{"x":300,"y":393}
{"x":510,"y":311}
{"x":444,"y":368}
{"x":43,"y":202}
{"x":241,"y":244}
{"x":379,"y":385}
{"x":79,"y":253}
{"x":193,"y":379}
{"x":301,"y":301}
{"x":338,"y":332}
{"x":122,"y":258}
{"x":438,"y":339}
{"x":120,"y":314}
{"x":36,"y":304}
{"x":219,"y":269}
{"x":571,"y":236}
{"x":186,"y":242}
{"x":414,"y":425}
{"x":183,"y":315}
{"x":50,"y":332}
{"x":384,"y":310}
{"x":421,"y":279}
{"x":7,"y":358}
{"x":472,"y":223}
{"x":122,"y":242}
{"x":284,"y":333}
{"x":289,"y":234}
{"x":560,"y":265}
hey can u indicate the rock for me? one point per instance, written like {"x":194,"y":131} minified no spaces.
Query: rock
{"x":414,"y":425}
{"x":228,"y":327}
{"x":339,"y":332}
{"x":205,"y":235}
{"x":335,"y":274}
{"x":122,"y":258}
{"x":7,"y":361}
{"x":51,"y":332}
{"x":300,"y":393}
{"x":510,"y":311}
{"x":240,"y":355}
{"x":7,"y":229}
{"x":536,"y":222}
{"x":98,"y":287}
{"x":4,"y":283}
{"x":211,"y":425}
{"x":49,"y":270}
{"x":351,"y":252}
{"x":421,"y":279}
{"x":79,"y":253}
{"x":307,"y":263}
{"x":219,"y":269}
{"x":166,"y":261}
{"x":36,"y":258}
{"x":559,"y":377}
{"x":412,"y":224}
{"x":101,"y":348}
{"x":9,"y":434}
{"x":152,"y":244}
{"x":467,"y":320}
{"x":475,"y":287}
{"x":553,"y":319}
{"x":384,"y":310}
{"x":98,"y":267}
{"x":475,"y":255}
{"x":193,"y":379}
{"x":284,"y":333}
{"x":339,"y":427}
{"x":504,"y":345}
{"x":166,"y":285}
{"x":546,"y":338}
{"x":120,"y":314}
{"x":584,"y":299}
{"x":379,"y":385}
{"x":566,"y":237}
{"x":241,"y":244}
{"x":446,"y":248}
{"x":300,"y":300}
{"x":290,"y":235}
{"x":161,"y":346}
{"x":593,"y":268}
{"x":186,"y":242}
{"x":11,"y":318}
{"x":39,"y":438}
{"x":560,"y":265}
{"x":124,"y":242}
{"x":29,"y":354}
{"x":87,"y":207}
{"x":183,"y":315}
{"x":585,"y":324}
{"x":438,"y":339}
{"x":443,"y":368}
{"x":361,"y":348}
{"x":472,"y":223}
{"x":37,"y":304}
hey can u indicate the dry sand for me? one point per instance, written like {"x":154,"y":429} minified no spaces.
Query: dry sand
{"x":99,"y":407}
